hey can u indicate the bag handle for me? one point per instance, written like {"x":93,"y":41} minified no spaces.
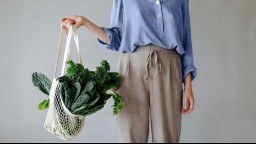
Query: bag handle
{"x":75,"y":35}
{"x":71,"y":31}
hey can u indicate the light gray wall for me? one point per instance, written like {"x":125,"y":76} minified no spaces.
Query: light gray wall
{"x":224,"y":37}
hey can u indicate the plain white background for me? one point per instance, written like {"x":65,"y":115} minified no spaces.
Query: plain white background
{"x":224,"y":37}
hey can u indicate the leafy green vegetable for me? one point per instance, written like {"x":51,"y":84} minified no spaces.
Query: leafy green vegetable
{"x":92,"y":111}
{"x":82,"y":99}
{"x":44,"y":104}
{"x":82,"y":91}
{"x":42,"y":82}
{"x":78,"y":89}
{"x":118,"y":103}
{"x":114,"y":82}
{"x":80,"y":110}
{"x":105,"y":65}
{"x":91,"y":95}
{"x":90,"y":86}
{"x":98,"y":106}
{"x":76,"y":72}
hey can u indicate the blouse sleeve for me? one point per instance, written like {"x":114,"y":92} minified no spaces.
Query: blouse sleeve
{"x":114,"y":31}
{"x":187,"y":58}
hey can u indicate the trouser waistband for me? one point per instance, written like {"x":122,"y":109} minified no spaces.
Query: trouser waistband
{"x":154,"y":47}
{"x":153,"y":56}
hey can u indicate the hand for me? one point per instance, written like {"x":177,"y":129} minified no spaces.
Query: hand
{"x":77,"y":21}
{"x":188,"y":102}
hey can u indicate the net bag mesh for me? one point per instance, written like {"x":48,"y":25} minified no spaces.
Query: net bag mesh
{"x":59,"y":120}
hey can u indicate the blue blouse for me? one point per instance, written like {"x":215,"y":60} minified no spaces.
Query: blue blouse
{"x":165,"y":23}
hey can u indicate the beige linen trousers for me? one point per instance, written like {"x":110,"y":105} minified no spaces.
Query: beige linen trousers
{"x":151,"y":86}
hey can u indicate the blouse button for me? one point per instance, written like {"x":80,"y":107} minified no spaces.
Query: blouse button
{"x":158,"y":15}
{"x":157,"y":2}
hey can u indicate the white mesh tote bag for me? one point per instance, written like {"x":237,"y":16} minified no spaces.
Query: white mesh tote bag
{"x":59,"y":120}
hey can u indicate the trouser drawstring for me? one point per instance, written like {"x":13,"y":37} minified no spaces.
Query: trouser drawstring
{"x":158,"y":64}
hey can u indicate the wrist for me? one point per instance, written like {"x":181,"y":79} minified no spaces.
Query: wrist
{"x":188,"y":83}
{"x":188,"y":86}
{"x":85,"y":22}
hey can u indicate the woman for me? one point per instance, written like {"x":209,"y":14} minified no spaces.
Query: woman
{"x":154,"y":37}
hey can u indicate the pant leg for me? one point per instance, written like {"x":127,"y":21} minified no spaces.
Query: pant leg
{"x":133,"y":121}
{"x":166,"y":98}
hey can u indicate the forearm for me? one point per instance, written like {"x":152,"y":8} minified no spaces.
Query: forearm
{"x":188,"y":82}
{"x":96,"y":30}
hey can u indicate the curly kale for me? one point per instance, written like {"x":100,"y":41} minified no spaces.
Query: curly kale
{"x":105,"y":65}
{"x":118,"y":103}
{"x":77,"y":73}
{"x":114,"y":81}
{"x":101,"y":77}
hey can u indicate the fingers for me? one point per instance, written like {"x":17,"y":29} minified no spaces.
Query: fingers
{"x":73,"y":18}
{"x":63,"y":27}
{"x":188,"y":105}
{"x":185,"y":105}
{"x":66,"y":22}
{"x":191,"y":105}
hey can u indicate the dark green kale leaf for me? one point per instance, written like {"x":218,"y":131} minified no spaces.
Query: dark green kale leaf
{"x":82,"y":99}
{"x":42,"y":82}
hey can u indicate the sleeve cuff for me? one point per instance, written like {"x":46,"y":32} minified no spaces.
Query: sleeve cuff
{"x":108,"y":45}
{"x":187,"y":70}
